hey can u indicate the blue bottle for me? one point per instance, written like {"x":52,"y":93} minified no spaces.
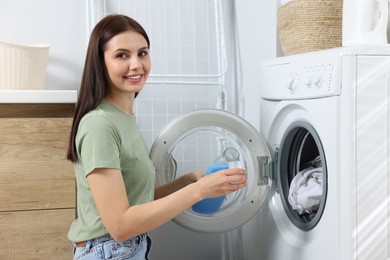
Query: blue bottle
{"x":212,"y":205}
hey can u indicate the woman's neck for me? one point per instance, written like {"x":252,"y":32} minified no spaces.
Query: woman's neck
{"x":122,"y":102}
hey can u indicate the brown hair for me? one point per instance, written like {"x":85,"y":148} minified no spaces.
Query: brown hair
{"x":95,"y":81}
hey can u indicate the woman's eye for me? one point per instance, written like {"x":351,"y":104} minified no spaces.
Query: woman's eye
{"x":143,"y":53}
{"x":121,"y":56}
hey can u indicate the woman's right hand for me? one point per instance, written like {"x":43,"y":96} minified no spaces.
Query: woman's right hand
{"x":222,"y":182}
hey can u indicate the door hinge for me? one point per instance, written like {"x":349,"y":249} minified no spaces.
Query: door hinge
{"x":265,"y":168}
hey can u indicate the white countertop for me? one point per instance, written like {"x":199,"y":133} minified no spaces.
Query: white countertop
{"x":38,"y":96}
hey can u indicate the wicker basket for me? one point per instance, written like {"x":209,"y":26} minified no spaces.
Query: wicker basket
{"x":310,"y":25}
{"x":23,"y":67}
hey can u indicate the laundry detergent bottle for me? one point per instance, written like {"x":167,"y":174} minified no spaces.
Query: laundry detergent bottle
{"x":229,"y":158}
{"x":364,"y":22}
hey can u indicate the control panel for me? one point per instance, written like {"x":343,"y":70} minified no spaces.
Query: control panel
{"x":305,"y":78}
{"x":314,"y":78}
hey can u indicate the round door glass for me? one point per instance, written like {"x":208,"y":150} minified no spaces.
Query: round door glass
{"x":204,"y":147}
{"x":193,"y":142}
{"x":302,"y":174}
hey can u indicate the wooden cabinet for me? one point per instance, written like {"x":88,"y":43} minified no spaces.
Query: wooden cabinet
{"x":37,"y":184}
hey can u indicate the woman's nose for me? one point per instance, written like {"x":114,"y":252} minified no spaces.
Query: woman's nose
{"x":134,"y":63}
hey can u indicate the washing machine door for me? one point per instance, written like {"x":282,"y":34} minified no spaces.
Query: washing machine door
{"x":192,"y":142}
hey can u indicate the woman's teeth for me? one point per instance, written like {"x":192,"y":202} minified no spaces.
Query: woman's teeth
{"x":134,"y":77}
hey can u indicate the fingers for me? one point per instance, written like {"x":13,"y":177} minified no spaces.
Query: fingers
{"x":223,"y":182}
{"x":234,"y":187}
{"x":235,"y":171}
{"x":236,"y":175}
{"x":236,"y":179}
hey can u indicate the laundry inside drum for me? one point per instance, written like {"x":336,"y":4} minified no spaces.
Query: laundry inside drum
{"x":306,"y":186}
{"x":302,"y":176}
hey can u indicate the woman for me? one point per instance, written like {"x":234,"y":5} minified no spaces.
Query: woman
{"x":117,"y":202}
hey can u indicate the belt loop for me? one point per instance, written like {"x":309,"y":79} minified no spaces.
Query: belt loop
{"x":140,"y":238}
{"x":88,"y":245}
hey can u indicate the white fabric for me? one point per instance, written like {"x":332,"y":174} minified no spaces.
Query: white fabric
{"x":306,"y":190}
{"x":283,"y":2}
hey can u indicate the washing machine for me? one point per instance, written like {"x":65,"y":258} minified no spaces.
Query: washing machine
{"x":330,"y":107}
{"x":326,"y":113}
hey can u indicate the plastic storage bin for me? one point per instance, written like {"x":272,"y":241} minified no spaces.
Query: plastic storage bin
{"x":23,"y":67}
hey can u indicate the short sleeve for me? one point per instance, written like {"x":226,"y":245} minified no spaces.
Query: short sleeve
{"x":98,"y":144}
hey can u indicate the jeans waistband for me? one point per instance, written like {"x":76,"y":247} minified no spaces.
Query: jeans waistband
{"x":104,"y":238}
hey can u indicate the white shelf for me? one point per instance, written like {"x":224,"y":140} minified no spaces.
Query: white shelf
{"x":38,"y":96}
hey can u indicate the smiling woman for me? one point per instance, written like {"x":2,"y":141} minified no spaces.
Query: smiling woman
{"x":128,"y":65}
{"x":117,"y":201}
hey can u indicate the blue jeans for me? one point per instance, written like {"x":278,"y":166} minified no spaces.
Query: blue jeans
{"x":105,"y":247}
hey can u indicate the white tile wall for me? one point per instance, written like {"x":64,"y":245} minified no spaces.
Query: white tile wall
{"x":188,"y":54}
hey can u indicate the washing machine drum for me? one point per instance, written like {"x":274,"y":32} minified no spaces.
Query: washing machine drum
{"x":192,"y":142}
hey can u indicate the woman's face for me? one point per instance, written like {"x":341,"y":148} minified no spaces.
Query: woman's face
{"x":127,"y":61}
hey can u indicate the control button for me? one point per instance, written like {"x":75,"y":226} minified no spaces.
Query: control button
{"x":318,"y":82}
{"x":293,"y":84}
{"x":308,"y":83}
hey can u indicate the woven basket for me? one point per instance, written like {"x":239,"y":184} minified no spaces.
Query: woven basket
{"x":310,"y":25}
{"x":23,"y":67}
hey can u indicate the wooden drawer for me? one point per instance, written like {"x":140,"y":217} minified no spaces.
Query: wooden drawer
{"x":33,"y":185}
{"x":34,"y":173}
{"x":37,"y":234}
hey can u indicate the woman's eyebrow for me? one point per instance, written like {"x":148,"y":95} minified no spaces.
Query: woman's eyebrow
{"x":127,"y":50}
{"x":122,"y":50}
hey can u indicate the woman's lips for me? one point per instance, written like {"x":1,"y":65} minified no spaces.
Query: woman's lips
{"x":133,"y":77}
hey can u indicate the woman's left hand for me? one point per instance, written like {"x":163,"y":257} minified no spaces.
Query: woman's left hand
{"x":181,"y":182}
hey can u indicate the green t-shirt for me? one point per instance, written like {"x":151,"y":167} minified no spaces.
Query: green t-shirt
{"x":109,"y":138}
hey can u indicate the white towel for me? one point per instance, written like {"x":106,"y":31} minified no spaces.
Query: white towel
{"x":306,"y":190}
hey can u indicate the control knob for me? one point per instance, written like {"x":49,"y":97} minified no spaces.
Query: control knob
{"x":318,"y":82}
{"x":293,"y":84}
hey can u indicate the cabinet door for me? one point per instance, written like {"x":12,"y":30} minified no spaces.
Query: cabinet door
{"x":37,"y":185}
